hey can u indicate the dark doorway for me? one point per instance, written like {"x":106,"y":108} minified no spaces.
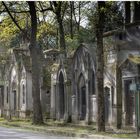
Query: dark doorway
{"x":129,"y":103}
{"x":93,"y":83}
{"x":107,"y":103}
{"x":15,"y":99}
{"x":2,"y":95}
{"x":61,"y":95}
{"x":83,"y":103}
{"x":82,"y":98}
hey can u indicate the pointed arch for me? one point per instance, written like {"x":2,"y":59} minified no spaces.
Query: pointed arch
{"x":82,"y":97}
{"x":61,"y":95}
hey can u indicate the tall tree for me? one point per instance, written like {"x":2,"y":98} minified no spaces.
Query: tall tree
{"x":71,"y":19}
{"x":36,"y":70}
{"x":59,"y":9}
{"x":100,"y":66}
{"x":35,"y":57}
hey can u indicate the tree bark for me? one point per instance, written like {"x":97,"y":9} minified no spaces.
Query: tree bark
{"x":61,"y":32}
{"x":36,"y":70}
{"x":119,"y":93}
{"x":71,"y":19}
{"x":100,"y":68}
{"x":57,"y":9}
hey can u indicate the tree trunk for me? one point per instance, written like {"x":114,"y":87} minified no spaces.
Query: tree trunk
{"x":78,"y":24}
{"x":119,"y":97}
{"x":119,"y":93}
{"x":100,"y":68}
{"x":35,"y":53}
{"x":71,"y":19}
{"x":61,"y":32}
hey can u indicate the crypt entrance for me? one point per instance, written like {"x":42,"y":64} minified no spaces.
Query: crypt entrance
{"x":61,"y":96}
{"x":84,"y":106}
{"x":129,"y":76}
{"x":129,"y":102}
{"x":81,"y":98}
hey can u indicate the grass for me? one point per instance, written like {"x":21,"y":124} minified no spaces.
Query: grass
{"x":63,"y":128}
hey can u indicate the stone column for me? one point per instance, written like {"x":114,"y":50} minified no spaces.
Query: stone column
{"x":123,"y":103}
{"x":53,"y":101}
{"x":77,"y":104}
{"x":87,"y":103}
{"x":57,"y":97}
{"x":18,"y":94}
{"x":65,"y":102}
{"x":76,"y":98}
{"x":110,"y":106}
{"x":53,"y":98}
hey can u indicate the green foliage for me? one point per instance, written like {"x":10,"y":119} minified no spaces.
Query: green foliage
{"x":10,"y":35}
{"x":113,"y":18}
{"x":8,"y":32}
{"x":72,"y":44}
{"x":85,"y":35}
{"x":47,"y":35}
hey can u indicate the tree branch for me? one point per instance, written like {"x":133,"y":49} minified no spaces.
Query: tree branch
{"x":12,"y":16}
{"x":74,"y":12}
{"x":65,"y":7}
{"x":47,"y":9}
{"x":129,"y":25}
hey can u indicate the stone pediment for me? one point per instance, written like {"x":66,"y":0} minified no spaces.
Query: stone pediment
{"x":84,"y":58}
{"x":130,"y":64}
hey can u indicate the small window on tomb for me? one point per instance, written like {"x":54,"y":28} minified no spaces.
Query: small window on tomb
{"x":23,"y":92}
{"x":7,"y":93}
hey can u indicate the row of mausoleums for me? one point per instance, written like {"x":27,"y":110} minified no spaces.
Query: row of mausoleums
{"x":72,"y":96}
{"x":16,"y":88}
{"x":73,"y":81}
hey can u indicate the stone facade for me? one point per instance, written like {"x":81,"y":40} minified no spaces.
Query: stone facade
{"x":72,"y":93}
{"x":73,"y":83}
{"x":73,"y":88}
{"x":125,"y":44}
{"x":83,"y":85}
{"x":18,"y":100}
{"x":60,"y":89}
{"x":18,"y":85}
